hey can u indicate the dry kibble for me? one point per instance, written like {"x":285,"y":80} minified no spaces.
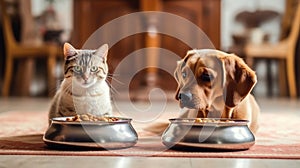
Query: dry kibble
{"x":69,"y":119}
{"x":198,"y":120}
{"x":90,"y":117}
{"x":211,"y":120}
{"x":85,"y":117}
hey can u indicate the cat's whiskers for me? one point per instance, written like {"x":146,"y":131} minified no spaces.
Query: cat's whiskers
{"x":66,"y":88}
{"x":113,"y":90}
{"x":111,"y":76}
{"x":54,"y":89}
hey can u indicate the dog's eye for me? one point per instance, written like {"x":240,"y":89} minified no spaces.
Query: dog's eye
{"x":205,"y":77}
{"x":184,"y":74}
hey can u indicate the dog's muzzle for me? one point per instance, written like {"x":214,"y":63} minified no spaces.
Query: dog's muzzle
{"x":186,"y":100}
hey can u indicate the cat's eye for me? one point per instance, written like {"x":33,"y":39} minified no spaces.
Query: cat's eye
{"x":77,"y":68}
{"x":94,"y":69}
{"x":206,"y":77}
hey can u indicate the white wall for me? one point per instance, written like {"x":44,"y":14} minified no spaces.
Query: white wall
{"x":230,"y":8}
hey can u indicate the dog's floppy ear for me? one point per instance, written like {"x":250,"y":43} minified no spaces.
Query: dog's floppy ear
{"x":239,"y":80}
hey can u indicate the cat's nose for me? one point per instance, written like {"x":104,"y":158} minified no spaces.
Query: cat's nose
{"x":85,"y":77}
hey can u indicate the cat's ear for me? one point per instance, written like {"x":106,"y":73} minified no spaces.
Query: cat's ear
{"x":69,"y":51}
{"x":102,"y":51}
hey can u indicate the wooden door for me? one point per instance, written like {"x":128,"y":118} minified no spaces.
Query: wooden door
{"x":89,"y":15}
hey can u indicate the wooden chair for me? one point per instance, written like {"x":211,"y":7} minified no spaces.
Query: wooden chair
{"x":284,"y":51}
{"x":16,"y":50}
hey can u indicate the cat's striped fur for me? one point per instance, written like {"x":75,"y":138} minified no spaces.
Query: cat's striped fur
{"x":84,"y":88}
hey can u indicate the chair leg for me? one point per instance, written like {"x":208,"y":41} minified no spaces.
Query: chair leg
{"x":291,"y":76}
{"x":51,"y":62}
{"x":282,"y":77}
{"x":25,"y":73}
{"x":250,"y":62}
{"x":7,"y":76}
{"x":269,"y":78}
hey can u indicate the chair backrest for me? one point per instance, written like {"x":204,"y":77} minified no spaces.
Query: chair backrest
{"x":9,"y":37}
{"x":294,"y":33}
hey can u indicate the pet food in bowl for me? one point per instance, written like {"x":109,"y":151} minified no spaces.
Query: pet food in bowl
{"x":106,"y":132}
{"x":206,"y":133}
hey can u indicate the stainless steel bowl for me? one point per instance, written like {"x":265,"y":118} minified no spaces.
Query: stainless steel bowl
{"x":225,"y":134}
{"x":99,"y":134}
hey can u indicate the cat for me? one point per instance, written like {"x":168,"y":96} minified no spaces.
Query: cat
{"x":84,"y":88}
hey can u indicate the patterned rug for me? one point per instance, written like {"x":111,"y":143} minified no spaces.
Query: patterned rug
{"x":21,"y":134}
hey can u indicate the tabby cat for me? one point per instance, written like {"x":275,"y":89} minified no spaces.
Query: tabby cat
{"x":84,"y":88}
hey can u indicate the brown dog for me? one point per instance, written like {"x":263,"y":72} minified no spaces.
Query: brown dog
{"x":217,"y":85}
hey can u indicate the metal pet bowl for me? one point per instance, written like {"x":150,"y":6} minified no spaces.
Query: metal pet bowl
{"x":98,"y":134}
{"x":219,"y":134}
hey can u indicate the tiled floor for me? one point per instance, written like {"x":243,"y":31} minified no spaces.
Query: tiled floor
{"x":42,"y":104}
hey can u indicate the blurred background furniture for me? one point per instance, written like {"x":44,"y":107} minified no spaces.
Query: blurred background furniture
{"x":203,"y":13}
{"x":251,"y":21}
{"x":253,"y":32}
{"x":27,"y":53}
{"x":284,"y":51}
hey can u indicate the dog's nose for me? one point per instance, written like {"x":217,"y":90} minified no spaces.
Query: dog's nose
{"x":185,"y":97}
